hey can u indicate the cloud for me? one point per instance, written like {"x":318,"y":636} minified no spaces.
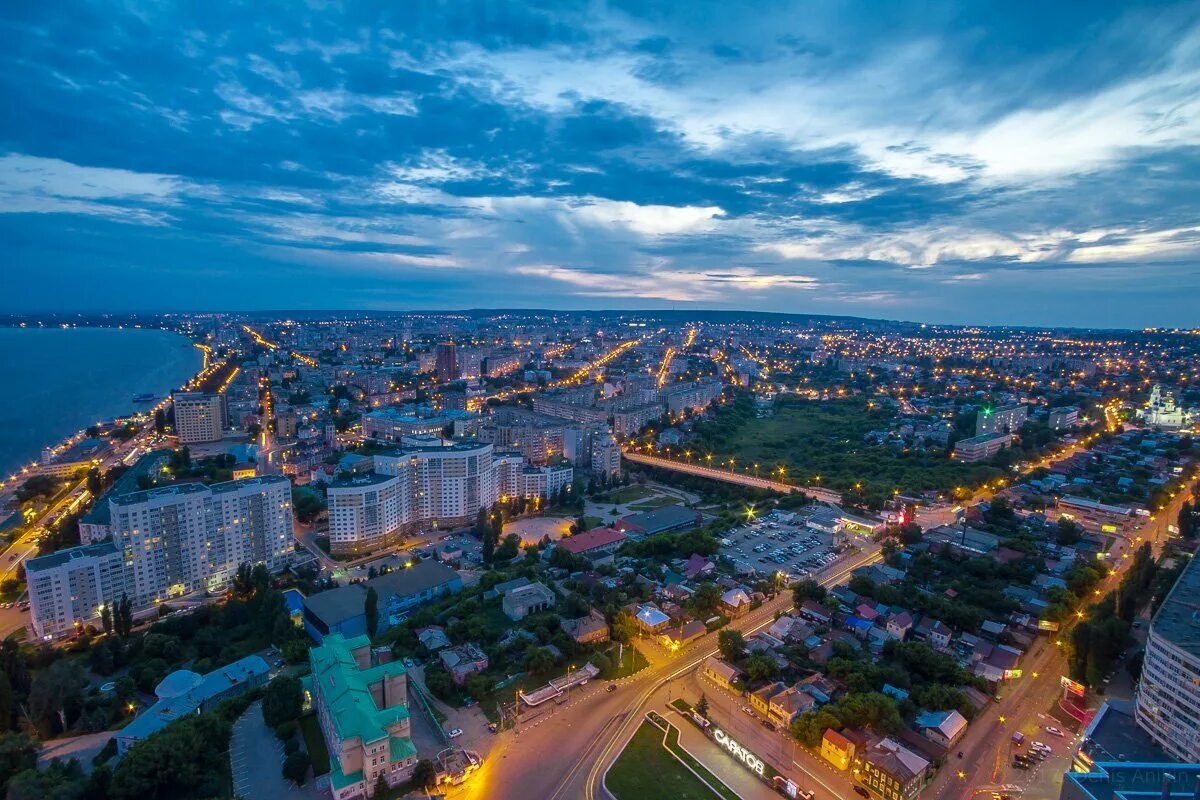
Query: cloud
{"x":29,"y":184}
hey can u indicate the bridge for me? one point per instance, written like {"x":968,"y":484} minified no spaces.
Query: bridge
{"x":726,"y":476}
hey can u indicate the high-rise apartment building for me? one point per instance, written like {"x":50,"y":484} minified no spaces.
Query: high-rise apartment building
{"x":1168,"y":697}
{"x":69,"y":588}
{"x":199,"y":416}
{"x":446,"y":362}
{"x":367,"y":512}
{"x":189,"y":537}
{"x":1007,"y":419}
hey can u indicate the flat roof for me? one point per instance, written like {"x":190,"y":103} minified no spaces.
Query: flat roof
{"x":420,"y":577}
{"x":335,"y":606}
{"x":1178,"y":619}
{"x":590,"y":540}
{"x":60,"y":557}
{"x":662,"y":518}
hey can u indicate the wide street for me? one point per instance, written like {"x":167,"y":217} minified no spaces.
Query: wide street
{"x":564,"y":755}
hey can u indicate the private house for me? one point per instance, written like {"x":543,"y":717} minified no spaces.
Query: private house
{"x":651,"y":619}
{"x":760,"y":699}
{"x":814,"y":611}
{"x":433,"y":638}
{"x":837,"y":749}
{"x":787,"y":705}
{"x":589,"y":629}
{"x":898,"y":625}
{"x":943,"y":727}
{"x":721,"y":673}
{"x":892,"y":772}
{"x":735,"y":602}
{"x":598,"y":544}
{"x":463,"y":660}
{"x":679,"y":635}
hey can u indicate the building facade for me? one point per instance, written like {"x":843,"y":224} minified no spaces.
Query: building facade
{"x":1168,"y":697}
{"x":199,"y":416}
{"x":362,"y":707}
{"x":69,"y":589}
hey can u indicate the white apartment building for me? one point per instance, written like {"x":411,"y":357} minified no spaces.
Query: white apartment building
{"x":69,"y":588}
{"x":190,"y":537}
{"x":1168,"y":697}
{"x":199,"y":416}
{"x":1007,"y":419}
{"x":367,"y":512}
{"x":439,"y":486}
{"x":606,"y":456}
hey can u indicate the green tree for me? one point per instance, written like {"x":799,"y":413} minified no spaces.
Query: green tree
{"x":624,"y":627}
{"x":381,"y":784}
{"x":424,"y":773}
{"x":56,"y":697}
{"x":295,"y":767}
{"x":18,"y":752}
{"x":760,"y":667}
{"x":732,"y":644}
{"x":160,"y":421}
{"x":283,"y":700}
{"x":702,"y":706}
{"x":371,"y":609}
{"x":807,"y":589}
{"x":106,"y":618}
{"x":186,"y":759}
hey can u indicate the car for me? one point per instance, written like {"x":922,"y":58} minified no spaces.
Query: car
{"x":1042,"y":746}
{"x":1055,"y":731}
{"x":766,"y":723}
{"x":454,"y":733}
{"x":612,"y":687}
{"x":748,"y":710}
{"x":861,"y":792}
{"x":493,"y":727}
{"x":1020,"y":765}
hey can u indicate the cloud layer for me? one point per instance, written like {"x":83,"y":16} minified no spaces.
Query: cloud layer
{"x":953,"y":162}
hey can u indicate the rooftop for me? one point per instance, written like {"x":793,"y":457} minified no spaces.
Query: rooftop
{"x":590,"y":540}
{"x":57,"y":559}
{"x":346,"y":689}
{"x":420,"y":577}
{"x":1178,"y":620}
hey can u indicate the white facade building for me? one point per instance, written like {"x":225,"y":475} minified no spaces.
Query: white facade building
{"x":1168,"y":697}
{"x":69,"y":588}
{"x":190,"y":537}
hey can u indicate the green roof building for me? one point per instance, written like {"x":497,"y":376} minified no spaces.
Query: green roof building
{"x":363,"y":710}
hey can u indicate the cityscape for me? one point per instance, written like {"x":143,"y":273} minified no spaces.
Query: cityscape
{"x":492,"y":401}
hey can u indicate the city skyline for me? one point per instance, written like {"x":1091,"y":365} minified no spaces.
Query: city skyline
{"x":953,"y":166}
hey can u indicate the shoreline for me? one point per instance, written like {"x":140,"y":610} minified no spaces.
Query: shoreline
{"x":13,"y":476}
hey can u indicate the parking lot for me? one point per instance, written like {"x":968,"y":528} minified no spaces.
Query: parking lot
{"x":769,"y":545}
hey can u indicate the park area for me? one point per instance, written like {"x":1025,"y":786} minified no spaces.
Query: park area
{"x":648,"y":770}
{"x":822,"y":443}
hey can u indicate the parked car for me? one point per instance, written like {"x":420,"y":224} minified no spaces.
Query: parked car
{"x":455,"y":733}
{"x":612,"y":687}
{"x":1054,"y":730}
{"x":861,"y":792}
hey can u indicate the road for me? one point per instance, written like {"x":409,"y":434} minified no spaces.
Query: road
{"x":563,"y":755}
{"x":728,"y":476}
{"x":987,"y":747}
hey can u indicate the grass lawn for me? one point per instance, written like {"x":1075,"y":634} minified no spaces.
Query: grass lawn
{"x":646,"y":771}
{"x":826,"y":439}
{"x":628,"y":494}
{"x":655,"y":502}
{"x":314,"y":743}
{"x":632,"y":661}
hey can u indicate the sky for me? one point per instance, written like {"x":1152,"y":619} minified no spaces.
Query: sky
{"x":989,"y":163}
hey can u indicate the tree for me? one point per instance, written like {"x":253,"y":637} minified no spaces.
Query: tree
{"x":106,"y":618}
{"x":1068,"y":532}
{"x":509,"y":547}
{"x":56,"y":697}
{"x":807,"y":589}
{"x":624,"y":626}
{"x":185,"y":759}
{"x":295,"y":767}
{"x":7,"y":702}
{"x":424,"y":773}
{"x":731,"y":644}
{"x":538,"y":660}
{"x":1187,"y":521}
{"x":123,"y":620}
{"x":705,"y":599}
{"x":381,"y":784}
{"x":760,"y":667}
{"x":702,"y":706}
{"x":160,"y":421}
{"x":283,"y":700}
{"x":371,"y":609}
{"x":95,"y":484}
{"x":18,"y":752}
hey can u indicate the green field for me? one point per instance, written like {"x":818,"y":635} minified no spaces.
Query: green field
{"x":645,"y":770}
{"x":628,"y":494}
{"x":810,"y":439}
{"x":632,"y":661}
{"x":654,"y":502}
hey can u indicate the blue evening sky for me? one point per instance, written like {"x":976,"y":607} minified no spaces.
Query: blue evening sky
{"x":959,"y":162}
